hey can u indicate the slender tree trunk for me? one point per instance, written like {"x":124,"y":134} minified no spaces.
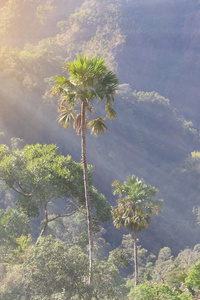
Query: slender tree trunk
{"x":46,"y":220}
{"x":135,"y":258}
{"x":87,"y":198}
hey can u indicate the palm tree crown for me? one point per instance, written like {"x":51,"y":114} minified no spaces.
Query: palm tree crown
{"x":135,"y":205}
{"x":88,"y":79}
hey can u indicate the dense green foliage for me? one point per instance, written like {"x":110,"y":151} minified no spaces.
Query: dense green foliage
{"x":156,"y":292}
{"x":46,"y":181}
{"x":13,"y":224}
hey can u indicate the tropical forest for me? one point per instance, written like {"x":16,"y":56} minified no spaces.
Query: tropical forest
{"x":99,"y":149}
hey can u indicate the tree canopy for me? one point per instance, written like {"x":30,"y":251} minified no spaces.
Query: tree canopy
{"x":44,"y":179}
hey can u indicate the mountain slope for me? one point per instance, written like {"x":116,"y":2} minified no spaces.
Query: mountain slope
{"x":153,"y":46}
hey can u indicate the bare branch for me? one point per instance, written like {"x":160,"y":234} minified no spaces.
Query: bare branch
{"x":63,"y":216}
{"x":21,"y":192}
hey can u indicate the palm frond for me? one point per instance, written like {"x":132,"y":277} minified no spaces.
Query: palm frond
{"x":111,"y":113}
{"x":66,"y":116}
{"x":62,"y":81}
{"x":97,"y":126}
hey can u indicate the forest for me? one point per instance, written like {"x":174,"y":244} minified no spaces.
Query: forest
{"x":100,"y":149}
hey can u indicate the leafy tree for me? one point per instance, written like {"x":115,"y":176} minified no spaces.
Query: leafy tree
{"x":13,"y":224}
{"x":108,"y":284}
{"x":94,"y":29}
{"x":128,"y":244}
{"x":155,"y":292}
{"x":119,"y":257}
{"x":123,"y":256}
{"x":54,"y":269}
{"x":88,"y":79}
{"x":173,"y":271}
{"x":135,"y":208}
{"x":192,"y":281}
{"x":48,"y":269}
{"x":163,"y":265}
{"x":45,"y":179}
{"x":22,"y":19}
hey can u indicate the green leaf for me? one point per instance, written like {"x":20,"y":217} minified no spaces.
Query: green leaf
{"x":111,"y":114}
{"x":97,"y":126}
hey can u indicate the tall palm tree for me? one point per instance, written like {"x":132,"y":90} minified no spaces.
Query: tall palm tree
{"x":88,"y":79}
{"x":135,"y":208}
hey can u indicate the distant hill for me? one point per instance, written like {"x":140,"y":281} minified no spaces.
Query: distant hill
{"x":161,"y":52}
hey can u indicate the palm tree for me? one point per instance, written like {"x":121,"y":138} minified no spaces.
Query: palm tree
{"x":135,"y":208}
{"x":88,"y":79}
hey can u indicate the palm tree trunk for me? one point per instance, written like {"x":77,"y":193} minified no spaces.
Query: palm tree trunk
{"x":87,"y":198}
{"x":135,"y":258}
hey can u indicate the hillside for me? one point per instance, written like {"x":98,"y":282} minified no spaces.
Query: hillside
{"x":154,"y":48}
